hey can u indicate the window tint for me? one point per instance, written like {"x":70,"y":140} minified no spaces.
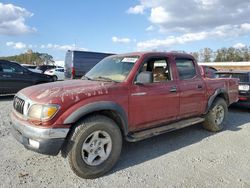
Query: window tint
{"x":115,"y":68}
{"x":159,"y":68}
{"x":185,"y":68}
{"x":12,"y":69}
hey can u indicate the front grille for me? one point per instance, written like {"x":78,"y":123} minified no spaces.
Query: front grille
{"x":18,"y":104}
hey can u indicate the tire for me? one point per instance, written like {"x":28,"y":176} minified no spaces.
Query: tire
{"x":216,"y":117}
{"x":84,"y":137}
{"x":55,"y":78}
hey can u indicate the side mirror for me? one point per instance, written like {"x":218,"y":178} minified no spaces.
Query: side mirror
{"x":144,"y":78}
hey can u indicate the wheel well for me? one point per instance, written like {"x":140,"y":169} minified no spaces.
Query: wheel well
{"x":211,"y":100}
{"x":223,"y":96}
{"x":109,"y":113}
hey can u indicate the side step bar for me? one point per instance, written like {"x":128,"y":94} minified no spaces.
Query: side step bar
{"x":163,"y":129}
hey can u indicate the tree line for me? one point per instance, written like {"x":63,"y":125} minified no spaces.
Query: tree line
{"x":230,"y":54}
{"x":30,"y":57}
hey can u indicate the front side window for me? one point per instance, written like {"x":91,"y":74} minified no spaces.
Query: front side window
{"x":185,"y":68}
{"x":12,"y":69}
{"x":115,"y":68}
{"x":159,"y":68}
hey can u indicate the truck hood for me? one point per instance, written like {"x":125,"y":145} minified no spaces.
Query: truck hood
{"x":73,"y":90}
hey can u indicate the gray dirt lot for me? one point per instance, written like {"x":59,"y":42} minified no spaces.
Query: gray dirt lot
{"x":191,"y":157}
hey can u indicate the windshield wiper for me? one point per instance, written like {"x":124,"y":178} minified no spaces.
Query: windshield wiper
{"x":104,"y":78}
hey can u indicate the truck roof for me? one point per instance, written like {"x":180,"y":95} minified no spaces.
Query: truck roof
{"x":89,"y":52}
{"x":176,"y":54}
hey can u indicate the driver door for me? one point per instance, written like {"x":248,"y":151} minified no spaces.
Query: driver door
{"x":154,"y":103}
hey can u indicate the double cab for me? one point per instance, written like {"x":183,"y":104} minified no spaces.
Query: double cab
{"x":126,"y":97}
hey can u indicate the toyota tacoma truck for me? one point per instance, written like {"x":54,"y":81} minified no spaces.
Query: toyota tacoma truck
{"x":127,"y":97}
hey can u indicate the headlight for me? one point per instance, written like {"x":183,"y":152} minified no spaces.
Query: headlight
{"x":42,"y":112}
{"x":244,"y":87}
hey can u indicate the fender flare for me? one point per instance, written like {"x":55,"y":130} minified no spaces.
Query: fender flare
{"x":98,"y":106}
{"x":213,"y":97}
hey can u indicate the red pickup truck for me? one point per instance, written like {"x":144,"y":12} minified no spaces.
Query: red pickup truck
{"x":124,"y":97}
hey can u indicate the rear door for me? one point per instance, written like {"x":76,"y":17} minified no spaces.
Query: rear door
{"x":157,"y":102}
{"x":192,"y":88}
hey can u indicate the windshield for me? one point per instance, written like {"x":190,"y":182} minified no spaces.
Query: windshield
{"x":115,"y":68}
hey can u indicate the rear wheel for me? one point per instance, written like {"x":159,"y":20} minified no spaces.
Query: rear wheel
{"x":215,"y":118}
{"x":94,"y":146}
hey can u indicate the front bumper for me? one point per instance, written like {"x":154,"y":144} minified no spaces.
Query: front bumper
{"x":47,"y":141}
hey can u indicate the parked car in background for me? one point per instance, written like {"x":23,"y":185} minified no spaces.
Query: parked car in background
{"x":244,"y":83}
{"x":14,"y":77}
{"x":78,"y":63}
{"x":57,"y":73}
{"x":32,"y":68}
{"x":43,"y":68}
{"x":124,"y":97}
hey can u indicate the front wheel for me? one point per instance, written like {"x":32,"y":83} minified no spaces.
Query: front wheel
{"x":55,"y":78}
{"x":94,"y":146}
{"x":215,"y":118}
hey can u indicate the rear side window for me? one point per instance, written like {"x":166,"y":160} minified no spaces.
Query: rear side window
{"x":185,"y":68}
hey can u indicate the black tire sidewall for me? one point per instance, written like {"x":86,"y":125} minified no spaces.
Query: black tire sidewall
{"x":86,"y":170}
{"x":222,"y":103}
{"x":209,"y":123}
{"x":55,"y":78}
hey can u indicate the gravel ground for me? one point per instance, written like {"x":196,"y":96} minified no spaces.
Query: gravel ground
{"x":191,"y":157}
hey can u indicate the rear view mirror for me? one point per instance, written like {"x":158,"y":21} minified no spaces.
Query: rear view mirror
{"x":144,"y":78}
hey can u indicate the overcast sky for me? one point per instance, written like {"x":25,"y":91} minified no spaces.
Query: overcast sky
{"x":122,"y":26}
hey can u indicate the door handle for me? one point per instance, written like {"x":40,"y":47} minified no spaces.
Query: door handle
{"x":173,"y":89}
{"x":199,"y":86}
